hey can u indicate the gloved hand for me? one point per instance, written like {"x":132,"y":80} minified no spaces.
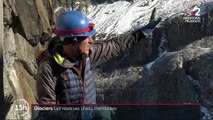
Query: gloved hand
{"x":148,"y":29}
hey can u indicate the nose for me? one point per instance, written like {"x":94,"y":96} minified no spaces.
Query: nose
{"x":90,"y":40}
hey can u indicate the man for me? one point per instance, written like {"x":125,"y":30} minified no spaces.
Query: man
{"x":64,"y":74}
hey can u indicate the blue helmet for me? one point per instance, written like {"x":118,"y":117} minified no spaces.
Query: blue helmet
{"x":73,"y":24}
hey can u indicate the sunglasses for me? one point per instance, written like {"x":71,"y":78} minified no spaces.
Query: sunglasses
{"x":71,"y":40}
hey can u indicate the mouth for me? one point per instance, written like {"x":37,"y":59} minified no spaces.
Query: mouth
{"x":89,"y":47}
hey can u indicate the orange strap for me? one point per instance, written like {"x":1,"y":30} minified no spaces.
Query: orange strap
{"x":40,"y":54}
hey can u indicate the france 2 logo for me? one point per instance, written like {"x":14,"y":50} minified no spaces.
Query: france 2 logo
{"x":195,"y":11}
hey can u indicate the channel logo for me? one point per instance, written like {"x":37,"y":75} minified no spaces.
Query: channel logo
{"x":21,"y":106}
{"x":194,"y":15}
{"x":195,"y":11}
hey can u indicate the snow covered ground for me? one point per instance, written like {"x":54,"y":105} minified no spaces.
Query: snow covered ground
{"x":206,"y":113}
{"x":122,"y":16}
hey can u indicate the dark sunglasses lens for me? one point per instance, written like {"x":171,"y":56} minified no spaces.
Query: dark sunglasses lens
{"x":67,"y":42}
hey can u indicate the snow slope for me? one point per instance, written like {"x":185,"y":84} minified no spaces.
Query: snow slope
{"x":122,"y":16}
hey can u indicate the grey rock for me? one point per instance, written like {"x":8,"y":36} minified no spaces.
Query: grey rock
{"x":27,"y":58}
{"x":10,"y":14}
{"x":28,"y":20}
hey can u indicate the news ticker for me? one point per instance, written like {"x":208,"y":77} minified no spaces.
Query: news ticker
{"x":121,"y":111}
{"x":71,"y":107}
{"x":128,"y":111}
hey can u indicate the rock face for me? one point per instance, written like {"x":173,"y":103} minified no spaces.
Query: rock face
{"x":172,"y":75}
{"x":1,"y":56}
{"x":182,"y":74}
{"x":27,"y":25}
{"x":27,"y":28}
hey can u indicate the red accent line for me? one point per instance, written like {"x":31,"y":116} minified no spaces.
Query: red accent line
{"x":115,"y":104}
{"x":71,"y":31}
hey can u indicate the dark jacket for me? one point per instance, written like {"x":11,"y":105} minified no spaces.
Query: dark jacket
{"x":49,"y":72}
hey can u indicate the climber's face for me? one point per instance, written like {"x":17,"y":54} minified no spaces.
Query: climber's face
{"x":76,"y":49}
{"x":85,"y":45}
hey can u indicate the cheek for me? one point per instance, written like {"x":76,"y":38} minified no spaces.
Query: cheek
{"x":84,"y":47}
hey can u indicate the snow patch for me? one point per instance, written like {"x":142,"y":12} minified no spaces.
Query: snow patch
{"x":206,"y":114}
{"x":122,"y":16}
{"x":58,"y":9}
{"x":149,"y":65}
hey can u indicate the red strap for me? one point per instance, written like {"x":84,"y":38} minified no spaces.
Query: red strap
{"x":63,"y":32}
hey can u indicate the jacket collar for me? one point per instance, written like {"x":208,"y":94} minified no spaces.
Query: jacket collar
{"x":67,"y":63}
{"x":63,"y":61}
